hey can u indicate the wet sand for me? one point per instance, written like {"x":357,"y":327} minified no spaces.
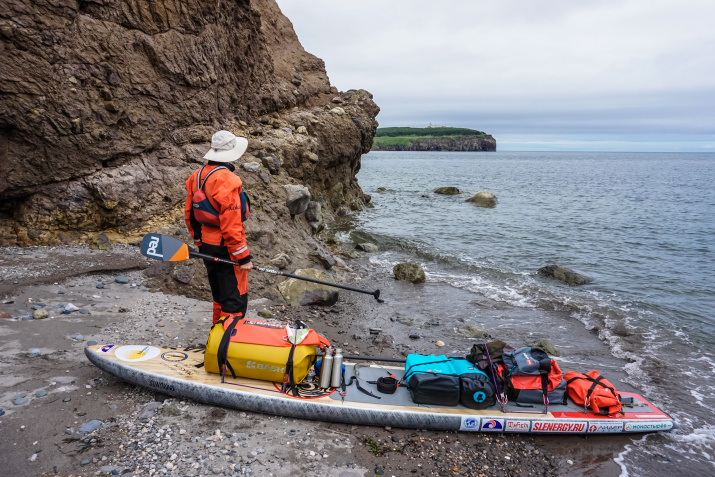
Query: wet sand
{"x":42,"y":436}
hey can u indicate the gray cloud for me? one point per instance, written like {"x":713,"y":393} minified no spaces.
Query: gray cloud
{"x":634,"y":68}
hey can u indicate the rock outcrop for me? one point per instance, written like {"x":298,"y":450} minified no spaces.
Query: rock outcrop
{"x":563,"y":274}
{"x":107,"y":106}
{"x":466,"y":143}
{"x":449,"y":190}
{"x":409,"y":271}
{"x":483,"y":199}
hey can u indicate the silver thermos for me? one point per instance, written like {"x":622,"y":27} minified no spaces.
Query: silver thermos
{"x":326,"y":368}
{"x":337,"y":368}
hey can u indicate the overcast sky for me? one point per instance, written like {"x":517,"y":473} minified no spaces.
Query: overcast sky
{"x":624,"y":75}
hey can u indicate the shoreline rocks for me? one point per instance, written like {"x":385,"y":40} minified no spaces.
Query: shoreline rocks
{"x":483,"y":199}
{"x":409,"y":271}
{"x":565,"y":275}
{"x":447,"y":190}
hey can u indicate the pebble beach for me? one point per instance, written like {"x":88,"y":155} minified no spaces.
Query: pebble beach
{"x":60,"y":415}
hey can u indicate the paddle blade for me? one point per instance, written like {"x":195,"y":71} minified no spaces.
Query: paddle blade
{"x":164,"y":248}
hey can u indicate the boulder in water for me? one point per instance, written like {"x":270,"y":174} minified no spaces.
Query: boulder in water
{"x":565,"y":275}
{"x":367,"y":247}
{"x":473,"y":331}
{"x":545,"y":345}
{"x":409,"y":271}
{"x":298,"y":292}
{"x":447,"y":191}
{"x":483,"y":199}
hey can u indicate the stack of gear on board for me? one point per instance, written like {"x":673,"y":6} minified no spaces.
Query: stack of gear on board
{"x":214,"y":214}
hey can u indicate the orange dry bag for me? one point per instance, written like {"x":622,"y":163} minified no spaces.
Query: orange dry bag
{"x":594,"y":391}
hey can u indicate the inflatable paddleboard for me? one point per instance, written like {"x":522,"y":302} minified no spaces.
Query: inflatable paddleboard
{"x":179,"y":372}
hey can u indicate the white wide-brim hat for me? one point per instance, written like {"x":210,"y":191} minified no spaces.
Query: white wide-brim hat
{"x":226,"y":147}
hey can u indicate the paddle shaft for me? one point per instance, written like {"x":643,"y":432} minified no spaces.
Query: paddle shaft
{"x":375,"y":293}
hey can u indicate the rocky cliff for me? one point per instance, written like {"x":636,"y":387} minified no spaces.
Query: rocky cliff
{"x":107,"y":106}
{"x":465,"y":143}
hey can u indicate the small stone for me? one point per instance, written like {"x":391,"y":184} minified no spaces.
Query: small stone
{"x":266,"y":313}
{"x":91,"y":343}
{"x":569,"y":462}
{"x":40,"y":314}
{"x":90,"y":426}
{"x":252,"y":166}
{"x":69,"y":308}
{"x":19,"y":401}
{"x":84,"y":462}
{"x":60,"y":292}
{"x":121,"y":279}
{"x":415,"y":337}
{"x":34,"y":353}
{"x":439,"y":343}
{"x":99,"y":285}
{"x":41,"y":393}
{"x":66,"y":399}
{"x":77,"y":337}
{"x":375,"y":331}
{"x":33,"y":458}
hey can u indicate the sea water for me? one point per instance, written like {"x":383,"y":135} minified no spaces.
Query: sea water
{"x":640,"y":225}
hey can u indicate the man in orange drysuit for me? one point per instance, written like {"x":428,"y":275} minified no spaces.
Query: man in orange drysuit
{"x":213,"y":217}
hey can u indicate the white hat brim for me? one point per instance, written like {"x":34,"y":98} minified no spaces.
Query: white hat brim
{"x":228,"y":156}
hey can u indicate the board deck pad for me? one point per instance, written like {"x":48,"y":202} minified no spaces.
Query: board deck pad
{"x":179,"y":372}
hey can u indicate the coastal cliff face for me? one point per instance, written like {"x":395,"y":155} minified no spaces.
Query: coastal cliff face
{"x":107,"y":106}
{"x":465,"y":143}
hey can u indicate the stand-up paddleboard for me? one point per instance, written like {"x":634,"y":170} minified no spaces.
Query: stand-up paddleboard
{"x":180,"y":373}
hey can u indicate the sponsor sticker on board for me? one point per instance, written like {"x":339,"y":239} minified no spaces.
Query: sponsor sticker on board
{"x":106,"y":348}
{"x":492,"y":425}
{"x":174,"y":356}
{"x":469,"y":424}
{"x":135,"y":353}
{"x":647,"y":426}
{"x":601,"y":427}
{"x":517,"y":425}
{"x":559,"y":426}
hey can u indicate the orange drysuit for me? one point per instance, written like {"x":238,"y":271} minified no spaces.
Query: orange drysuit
{"x":229,"y":284}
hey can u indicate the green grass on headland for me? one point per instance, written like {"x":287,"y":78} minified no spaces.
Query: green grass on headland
{"x":403,"y":140}
{"x":427,"y":132}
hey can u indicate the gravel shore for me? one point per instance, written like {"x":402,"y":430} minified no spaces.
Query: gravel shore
{"x":60,"y":415}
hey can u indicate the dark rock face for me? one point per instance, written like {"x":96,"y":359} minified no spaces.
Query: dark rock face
{"x":107,"y":106}
{"x":565,"y":275}
{"x":444,"y":144}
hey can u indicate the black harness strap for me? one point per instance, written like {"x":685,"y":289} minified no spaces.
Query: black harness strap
{"x":222,"y":352}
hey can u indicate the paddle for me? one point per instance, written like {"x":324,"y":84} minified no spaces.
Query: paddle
{"x":169,"y":249}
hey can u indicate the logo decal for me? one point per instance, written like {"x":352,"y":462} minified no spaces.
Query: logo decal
{"x":135,"y":353}
{"x":604,"y":427}
{"x":517,"y":425}
{"x":648,"y":426}
{"x":469,"y":424}
{"x":174,"y":356}
{"x":266,"y":367}
{"x":551,"y":426}
{"x":153,"y":245}
{"x":492,"y":425}
{"x":162,"y":386}
{"x":106,"y":348}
